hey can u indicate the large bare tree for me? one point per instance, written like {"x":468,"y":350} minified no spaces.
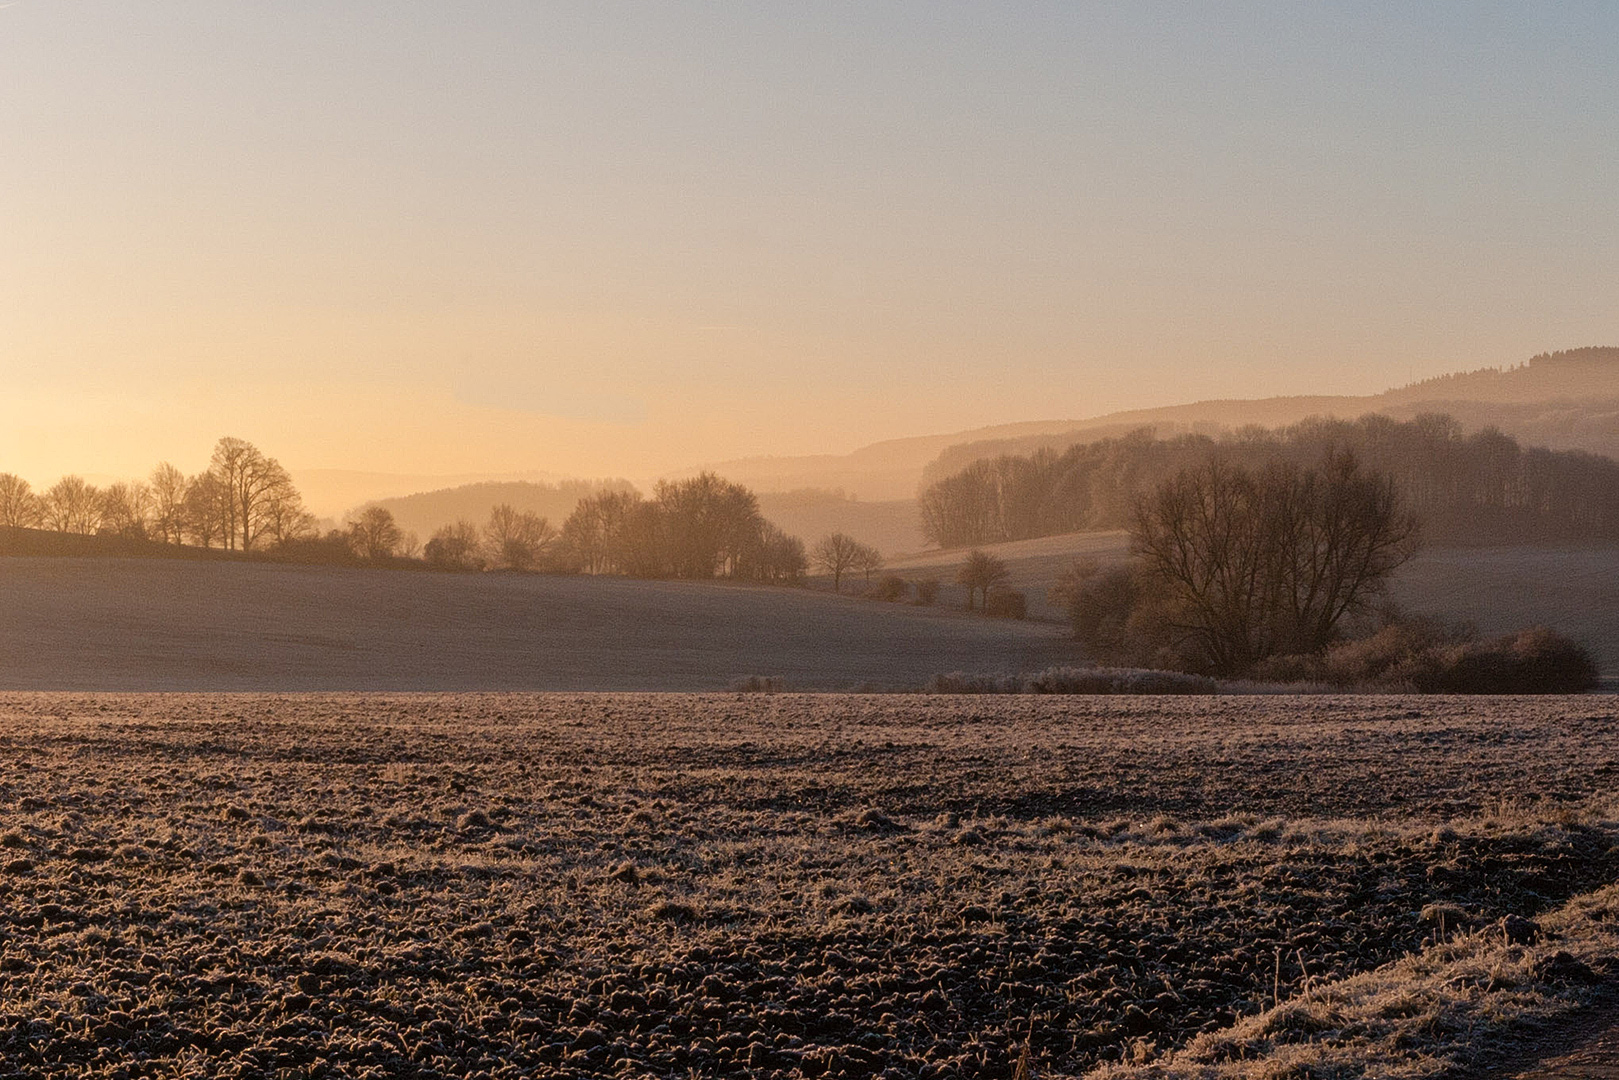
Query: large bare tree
{"x":597,"y":531}
{"x":1256,"y":564}
{"x":283,"y":517}
{"x":207,"y":510}
{"x":707,"y":524}
{"x":258,"y":492}
{"x":125,"y":508}
{"x":517,"y":539}
{"x":839,"y":554}
{"x":456,"y":547}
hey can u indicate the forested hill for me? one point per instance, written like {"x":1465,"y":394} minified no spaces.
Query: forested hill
{"x":1467,"y":489}
{"x":1561,"y":400}
{"x":1574,"y":375}
{"x":425,"y":512}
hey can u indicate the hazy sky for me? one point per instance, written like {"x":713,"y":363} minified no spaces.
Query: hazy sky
{"x":617,"y":238}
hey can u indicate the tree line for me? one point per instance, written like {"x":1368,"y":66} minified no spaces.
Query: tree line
{"x":703,"y":527}
{"x":1482,"y":487}
{"x":700,"y":528}
{"x":243,"y":501}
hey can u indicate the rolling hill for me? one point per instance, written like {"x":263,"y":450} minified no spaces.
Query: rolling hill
{"x":1565,"y":400}
{"x":156,"y":624}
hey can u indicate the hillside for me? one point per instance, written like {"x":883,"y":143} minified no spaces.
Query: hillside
{"x":1498,"y":589}
{"x":1565,"y":400}
{"x":891,"y":525}
{"x":151,"y":624}
{"x":883,"y":471}
{"x":1562,"y":401}
{"x":332,"y":493}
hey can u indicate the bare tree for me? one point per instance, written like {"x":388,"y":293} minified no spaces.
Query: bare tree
{"x":125,"y":507}
{"x":456,"y":547}
{"x":774,"y":557}
{"x":373,"y":533}
{"x":258,"y":492}
{"x":72,"y":506}
{"x":19,"y":506}
{"x":981,"y":572}
{"x":594,"y":530}
{"x":168,"y":486}
{"x":1256,"y":565}
{"x":517,"y":539}
{"x":837,"y":555}
{"x":282,"y":516}
{"x":207,"y":510}
{"x":964,"y":508}
{"x":707,"y":523}
{"x":868,"y":560}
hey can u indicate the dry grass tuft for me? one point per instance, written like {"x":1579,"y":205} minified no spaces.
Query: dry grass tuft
{"x":1458,"y":1003}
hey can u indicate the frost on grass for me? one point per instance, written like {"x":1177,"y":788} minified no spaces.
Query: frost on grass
{"x":770,"y":885}
{"x":1456,"y":1004}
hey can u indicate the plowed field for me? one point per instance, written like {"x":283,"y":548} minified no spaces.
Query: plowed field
{"x":665,"y":885}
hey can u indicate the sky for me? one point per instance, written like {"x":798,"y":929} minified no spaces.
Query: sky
{"x":619,"y":239}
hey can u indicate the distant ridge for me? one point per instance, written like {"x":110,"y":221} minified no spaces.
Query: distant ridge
{"x":1572,"y":373}
{"x":1566,"y":400}
{"x":426,"y":511}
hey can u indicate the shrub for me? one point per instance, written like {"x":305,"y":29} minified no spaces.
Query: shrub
{"x":891,"y":587}
{"x":1421,"y":655}
{"x":1291,"y":668}
{"x":961,"y":682}
{"x":1104,"y":607}
{"x":1534,"y":661}
{"x":927,"y":591}
{"x":1006,"y":604}
{"x":331,"y":548}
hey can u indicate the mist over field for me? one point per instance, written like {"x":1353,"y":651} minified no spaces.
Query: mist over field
{"x":901,"y":541}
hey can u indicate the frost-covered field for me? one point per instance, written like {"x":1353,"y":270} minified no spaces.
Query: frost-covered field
{"x":518,"y":885}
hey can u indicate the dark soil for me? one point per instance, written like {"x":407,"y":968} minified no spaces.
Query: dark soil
{"x":727,"y":886}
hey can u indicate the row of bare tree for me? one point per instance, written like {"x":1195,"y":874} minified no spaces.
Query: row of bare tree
{"x":243,"y":501}
{"x":702,"y":527}
{"x":840,"y":554}
{"x":699,"y":528}
{"x":1466,"y":488}
{"x":511,"y":540}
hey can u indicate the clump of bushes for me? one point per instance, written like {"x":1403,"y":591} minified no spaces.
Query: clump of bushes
{"x":1006,"y":604}
{"x":927,"y":591}
{"x":891,"y":588}
{"x":1121,"y":619}
{"x":1415,"y":654}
